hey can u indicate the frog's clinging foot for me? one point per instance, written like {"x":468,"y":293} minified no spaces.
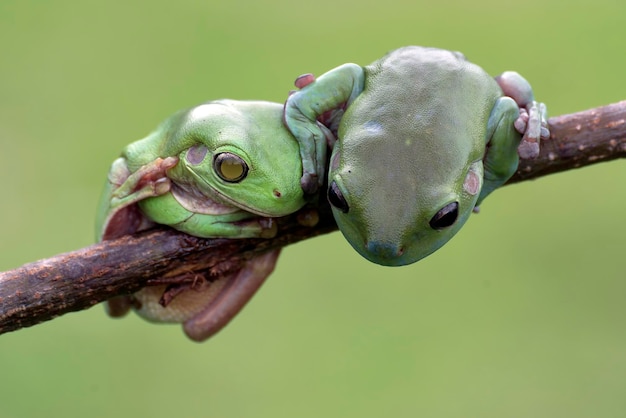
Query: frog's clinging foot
{"x":532,"y":121}
{"x":127,"y":189}
{"x":156,"y":170}
{"x":148,"y":181}
{"x":309,"y":183}
{"x":533,"y":126}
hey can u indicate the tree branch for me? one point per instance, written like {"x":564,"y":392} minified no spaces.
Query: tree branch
{"x":77,"y":280}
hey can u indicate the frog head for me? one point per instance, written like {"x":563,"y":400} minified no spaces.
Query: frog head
{"x":239,"y":154}
{"x":398,"y":204}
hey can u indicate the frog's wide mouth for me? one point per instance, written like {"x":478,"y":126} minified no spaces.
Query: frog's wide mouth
{"x":218,"y":198}
{"x":248,"y":208}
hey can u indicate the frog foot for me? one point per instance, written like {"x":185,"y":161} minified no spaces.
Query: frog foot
{"x":533,"y":126}
{"x":124,"y":217}
{"x":310,"y":134}
{"x":177,"y":285}
{"x":532,"y":121}
{"x":148,"y":181}
{"x":309,"y":183}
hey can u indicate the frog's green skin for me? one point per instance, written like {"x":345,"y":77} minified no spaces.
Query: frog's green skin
{"x":180,"y":176}
{"x":425,"y":137}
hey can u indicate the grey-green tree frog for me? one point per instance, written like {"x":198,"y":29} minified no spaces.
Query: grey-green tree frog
{"x":425,"y":136}
{"x":222,"y":169}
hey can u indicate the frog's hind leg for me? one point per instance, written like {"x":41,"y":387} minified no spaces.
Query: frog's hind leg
{"x":233,"y":296}
{"x":203,"y":303}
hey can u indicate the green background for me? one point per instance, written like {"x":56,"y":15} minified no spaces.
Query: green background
{"x":521,"y":315}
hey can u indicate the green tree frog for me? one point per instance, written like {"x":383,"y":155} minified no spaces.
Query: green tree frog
{"x":425,"y":136}
{"x":222,"y":169}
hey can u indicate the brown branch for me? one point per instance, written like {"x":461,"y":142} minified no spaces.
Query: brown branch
{"x":578,"y":140}
{"x":77,"y":280}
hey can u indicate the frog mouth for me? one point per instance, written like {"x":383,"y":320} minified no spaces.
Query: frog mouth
{"x":244,"y":207}
{"x":197,"y":202}
{"x":215,"y":203}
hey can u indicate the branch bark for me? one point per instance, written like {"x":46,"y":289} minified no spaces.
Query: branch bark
{"x":77,"y":280}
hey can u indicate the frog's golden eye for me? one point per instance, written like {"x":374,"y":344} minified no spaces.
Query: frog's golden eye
{"x":230,"y":167}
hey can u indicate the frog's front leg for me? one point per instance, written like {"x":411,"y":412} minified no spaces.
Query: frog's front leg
{"x":532,"y":120}
{"x":118,"y":213}
{"x":203,"y":217}
{"x":333,"y":90}
{"x":501,"y":157}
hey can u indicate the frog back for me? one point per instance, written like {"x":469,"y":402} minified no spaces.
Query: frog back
{"x":430,"y":97}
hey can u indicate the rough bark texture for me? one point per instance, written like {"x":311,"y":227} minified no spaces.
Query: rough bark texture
{"x":577,"y":140}
{"x":77,"y":280}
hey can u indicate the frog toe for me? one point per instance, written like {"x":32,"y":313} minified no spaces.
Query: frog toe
{"x":535,"y":129}
{"x":309,"y":183}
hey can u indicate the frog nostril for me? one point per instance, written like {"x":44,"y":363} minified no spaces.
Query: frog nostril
{"x":277,"y":193}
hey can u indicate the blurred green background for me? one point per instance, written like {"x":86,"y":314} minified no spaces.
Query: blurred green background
{"x":521,"y":315}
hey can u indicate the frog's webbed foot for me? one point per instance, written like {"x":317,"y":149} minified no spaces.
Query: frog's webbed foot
{"x":532,"y":124}
{"x":124,"y":217}
{"x":532,"y":121}
{"x":310,"y":181}
{"x":148,"y":181}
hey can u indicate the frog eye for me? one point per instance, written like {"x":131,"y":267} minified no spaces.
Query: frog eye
{"x":230,"y":167}
{"x":445,"y":217}
{"x":335,"y":197}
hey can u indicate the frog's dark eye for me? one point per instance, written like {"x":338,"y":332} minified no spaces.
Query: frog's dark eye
{"x":335,"y":197}
{"x":230,"y":167}
{"x":445,"y":217}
